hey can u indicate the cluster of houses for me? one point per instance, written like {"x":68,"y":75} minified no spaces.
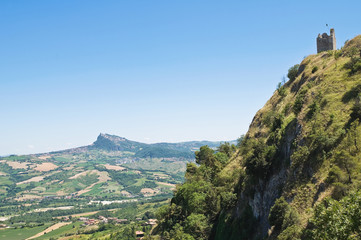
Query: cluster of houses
{"x":139,"y":234}
{"x":151,"y":222}
{"x":112,"y":219}
{"x":102,"y":219}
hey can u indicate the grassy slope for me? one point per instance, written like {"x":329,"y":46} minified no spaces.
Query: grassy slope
{"x":327,"y":87}
{"x":17,"y":234}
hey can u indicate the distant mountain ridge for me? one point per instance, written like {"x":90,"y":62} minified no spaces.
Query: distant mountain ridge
{"x":108,"y":142}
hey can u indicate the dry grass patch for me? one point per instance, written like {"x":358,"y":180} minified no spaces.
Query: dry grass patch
{"x":167,"y":184}
{"x":102,"y":176}
{"x":18,"y":165}
{"x":33,"y":179}
{"x":69,"y":168}
{"x":45,"y":167}
{"x":113,"y":167}
{"x":27,"y":197}
{"x":60,"y":193}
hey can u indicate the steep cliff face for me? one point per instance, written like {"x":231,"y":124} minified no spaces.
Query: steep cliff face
{"x":267,"y":191}
{"x":306,"y":124}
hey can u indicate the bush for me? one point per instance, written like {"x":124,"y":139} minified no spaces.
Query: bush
{"x":259,"y":158}
{"x":291,"y":233}
{"x":293,"y":72}
{"x":221,"y":157}
{"x":197,"y":225}
{"x":227,"y":148}
{"x":282,"y":216}
{"x":354,"y":65}
{"x":340,"y":190}
{"x":355,"y":111}
{"x":281,"y":90}
{"x":273,"y":120}
{"x":300,"y":156}
{"x":291,"y":218}
{"x":314,"y":69}
{"x":313,"y":108}
{"x":337,"y":219}
{"x":354,"y":93}
{"x":278,"y":213}
{"x":297,"y":105}
{"x":204,"y":155}
{"x":335,"y":175}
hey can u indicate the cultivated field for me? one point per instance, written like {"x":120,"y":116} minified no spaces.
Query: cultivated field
{"x":45,"y":167}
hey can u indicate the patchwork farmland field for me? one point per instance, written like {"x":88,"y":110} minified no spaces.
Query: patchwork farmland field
{"x":40,"y":190}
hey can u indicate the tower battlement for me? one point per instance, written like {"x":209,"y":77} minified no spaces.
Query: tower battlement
{"x":326,"y":42}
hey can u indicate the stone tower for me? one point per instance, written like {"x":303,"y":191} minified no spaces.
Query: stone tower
{"x":325,"y":42}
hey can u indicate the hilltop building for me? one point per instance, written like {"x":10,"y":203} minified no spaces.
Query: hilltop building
{"x":326,"y":42}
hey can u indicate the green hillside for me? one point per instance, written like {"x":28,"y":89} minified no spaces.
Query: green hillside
{"x":296,"y":174}
{"x":112,"y":169}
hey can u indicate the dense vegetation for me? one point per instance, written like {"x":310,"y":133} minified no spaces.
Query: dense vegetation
{"x":296,"y":173}
{"x":197,"y":202}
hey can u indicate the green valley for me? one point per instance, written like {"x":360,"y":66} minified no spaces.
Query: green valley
{"x":113,"y":175}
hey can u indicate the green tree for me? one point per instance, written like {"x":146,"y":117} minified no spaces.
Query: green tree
{"x":204,"y":155}
{"x":227,"y":148}
{"x":292,"y":72}
{"x":198,"y":225}
{"x":278,"y":213}
{"x":337,"y":219}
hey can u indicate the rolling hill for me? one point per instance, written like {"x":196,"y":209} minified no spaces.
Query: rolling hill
{"x":111,"y":168}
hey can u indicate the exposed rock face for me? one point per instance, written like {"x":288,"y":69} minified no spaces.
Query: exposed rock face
{"x":115,"y":143}
{"x":265,"y":195}
{"x":266,"y":192}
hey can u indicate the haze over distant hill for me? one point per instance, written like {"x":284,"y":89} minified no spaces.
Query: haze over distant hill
{"x":108,"y":142}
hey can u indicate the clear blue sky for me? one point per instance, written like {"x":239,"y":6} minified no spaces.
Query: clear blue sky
{"x":149,"y":70}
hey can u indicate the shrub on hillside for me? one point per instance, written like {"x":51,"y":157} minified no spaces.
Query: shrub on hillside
{"x":297,"y":105}
{"x":354,"y":65}
{"x":278,"y":213}
{"x":313,"y":108}
{"x":282,"y":215}
{"x":355,"y":111}
{"x":259,"y":159}
{"x":292,"y":72}
{"x":314,"y":69}
{"x":285,"y":220}
{"x":337,"y":219}
{"x":291,"y":233}
{"x":281,"y":90}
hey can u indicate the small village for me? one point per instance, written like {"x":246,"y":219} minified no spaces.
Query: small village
{"x":114,"y":220}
